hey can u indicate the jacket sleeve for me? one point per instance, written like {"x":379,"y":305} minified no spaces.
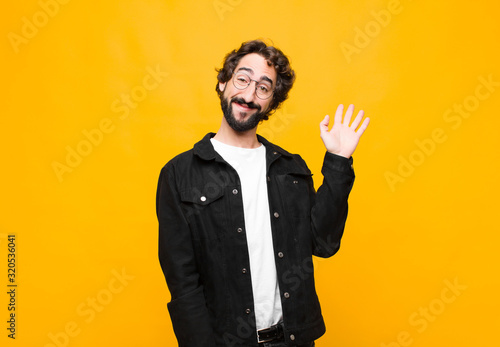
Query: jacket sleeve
{"x":187,"y":308}
{"x":329,"y":204}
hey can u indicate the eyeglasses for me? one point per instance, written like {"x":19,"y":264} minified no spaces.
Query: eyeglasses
{"x":264,"y":89}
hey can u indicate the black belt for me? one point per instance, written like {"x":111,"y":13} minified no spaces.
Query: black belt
{"x":273,"y":333}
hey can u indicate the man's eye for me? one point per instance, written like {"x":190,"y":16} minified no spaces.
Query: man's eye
{"x":263,"y":88}
{"x":242,"y":80}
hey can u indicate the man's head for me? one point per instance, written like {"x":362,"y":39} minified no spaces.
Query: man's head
{"x":253,"y":82}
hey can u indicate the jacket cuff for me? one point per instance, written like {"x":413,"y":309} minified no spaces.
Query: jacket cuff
{"x":338,"y":163}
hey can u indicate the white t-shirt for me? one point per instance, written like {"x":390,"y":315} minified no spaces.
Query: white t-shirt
{"x":250,"y":164}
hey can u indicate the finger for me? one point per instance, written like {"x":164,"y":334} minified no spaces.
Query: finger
{"x":338,"y":115}
{"x":357,"y":120}
{"x":348,"y":114}
{"x":363,"y":127}
{"x":323,"y":125}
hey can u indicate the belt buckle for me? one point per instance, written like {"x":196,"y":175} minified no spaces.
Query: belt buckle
{"x":265,"y":340}
{"x":272,"y":333}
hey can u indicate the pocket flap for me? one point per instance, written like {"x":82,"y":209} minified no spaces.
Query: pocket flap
{"x":202,"y":196}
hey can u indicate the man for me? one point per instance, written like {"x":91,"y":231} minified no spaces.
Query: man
{"x":239,"y":219}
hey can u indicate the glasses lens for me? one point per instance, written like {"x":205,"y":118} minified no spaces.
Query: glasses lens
{"x":241,"y":81}
{"x":264,"y":90}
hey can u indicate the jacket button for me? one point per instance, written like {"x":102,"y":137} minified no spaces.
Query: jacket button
{"x":247,"y":311}
{"x":203,"y":198}
{"x":268,"y":179}
{"x":286,"y":295}
{"x":276,"y":214}
{"x":244,"y":270}
{"x":295,"y":182}
{"x":280,"y":254}
{"x":292,"y":337}
{"x":275,"y":153}
{"x":240,"y":230}
{"x":235,"y":191}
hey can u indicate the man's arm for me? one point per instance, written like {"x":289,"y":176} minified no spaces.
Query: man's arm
{"x":188,"y":310}
{"x":329,"y":204}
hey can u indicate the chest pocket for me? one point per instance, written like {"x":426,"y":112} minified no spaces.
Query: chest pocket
{"x":204,"y":209}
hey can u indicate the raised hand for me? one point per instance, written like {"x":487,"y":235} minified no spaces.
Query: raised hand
{"x":343,"y":139}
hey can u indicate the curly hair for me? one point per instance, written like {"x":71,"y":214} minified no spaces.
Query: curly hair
{"x":274,"y":57}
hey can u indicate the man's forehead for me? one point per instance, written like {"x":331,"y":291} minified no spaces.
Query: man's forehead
{"x":256,"y":65}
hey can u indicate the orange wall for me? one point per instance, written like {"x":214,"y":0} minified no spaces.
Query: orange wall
{"x":99,"y":95}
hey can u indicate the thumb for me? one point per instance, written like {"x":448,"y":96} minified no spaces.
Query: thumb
{"x":323,"y":125}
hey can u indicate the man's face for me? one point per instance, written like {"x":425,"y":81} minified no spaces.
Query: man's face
{"x":242,"y":109}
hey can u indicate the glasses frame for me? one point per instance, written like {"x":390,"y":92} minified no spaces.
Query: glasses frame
{"x":256,"y":85}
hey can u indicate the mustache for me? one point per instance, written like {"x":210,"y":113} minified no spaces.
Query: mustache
{"x":250,"y":104}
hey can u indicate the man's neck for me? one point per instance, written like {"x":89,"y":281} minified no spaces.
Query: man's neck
{"x":227,"y":135}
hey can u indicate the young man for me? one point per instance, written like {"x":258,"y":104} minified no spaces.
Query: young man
{"x":239,"y":219}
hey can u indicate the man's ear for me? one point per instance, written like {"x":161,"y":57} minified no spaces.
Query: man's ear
{"x":222,"y":86}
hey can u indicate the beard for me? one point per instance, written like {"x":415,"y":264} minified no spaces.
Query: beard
{"x":245,"y":125}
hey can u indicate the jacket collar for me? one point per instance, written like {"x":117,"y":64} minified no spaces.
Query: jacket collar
{"x":206,"y":151}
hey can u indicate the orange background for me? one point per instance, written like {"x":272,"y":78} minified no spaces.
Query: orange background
{"x":419,"y":260}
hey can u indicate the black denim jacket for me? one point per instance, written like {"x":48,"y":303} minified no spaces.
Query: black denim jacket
{"x":203,"y":248}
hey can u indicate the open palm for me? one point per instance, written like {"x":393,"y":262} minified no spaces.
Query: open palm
{"x":343,"y":138}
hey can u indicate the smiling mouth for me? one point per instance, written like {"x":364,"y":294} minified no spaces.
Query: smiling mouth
{"x":244,"y":106}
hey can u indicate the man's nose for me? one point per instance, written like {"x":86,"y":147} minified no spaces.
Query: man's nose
{"x":250,"y":92}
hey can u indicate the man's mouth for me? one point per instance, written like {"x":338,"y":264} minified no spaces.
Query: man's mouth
{"x":245,"y":106}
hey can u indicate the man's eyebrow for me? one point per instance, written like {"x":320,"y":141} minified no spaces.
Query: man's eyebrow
{"x":265,"y":78}
{"x":246,"y":69}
